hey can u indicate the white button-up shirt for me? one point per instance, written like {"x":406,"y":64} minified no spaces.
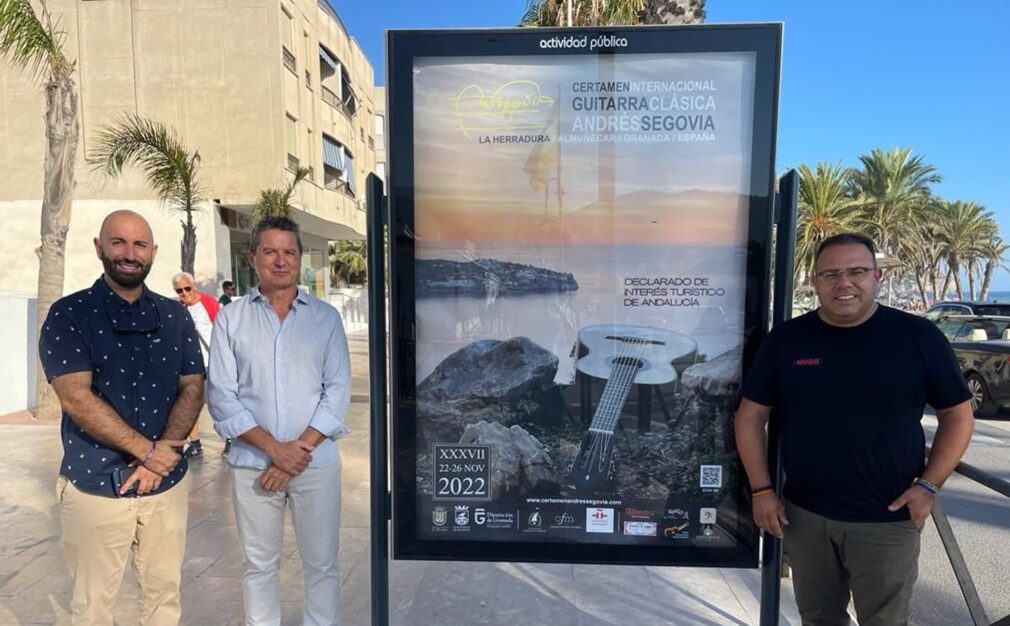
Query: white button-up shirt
{"x":280,"y":376}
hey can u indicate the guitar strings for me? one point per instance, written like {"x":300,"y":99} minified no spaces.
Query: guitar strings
{"x":599,"y":438}
{"x":626,"y":365}
{"x":618,"y":387}
{"x":628,"y":377}
{"x":606,"y":399}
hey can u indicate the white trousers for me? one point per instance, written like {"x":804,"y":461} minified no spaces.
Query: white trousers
{"x":314,"y":496}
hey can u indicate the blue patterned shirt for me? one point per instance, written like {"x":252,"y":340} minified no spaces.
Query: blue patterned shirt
{"x":136,"y":353}
{"x":280,"y":376}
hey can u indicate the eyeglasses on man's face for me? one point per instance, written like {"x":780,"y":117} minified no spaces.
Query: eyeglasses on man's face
{"x":852,"y":273}
{"x":182,"y":290}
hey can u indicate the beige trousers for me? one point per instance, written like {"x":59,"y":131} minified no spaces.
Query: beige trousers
{"x":98,"y":536}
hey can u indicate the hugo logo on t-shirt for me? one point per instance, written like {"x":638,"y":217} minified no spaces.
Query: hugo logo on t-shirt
{"x":807,"y":362}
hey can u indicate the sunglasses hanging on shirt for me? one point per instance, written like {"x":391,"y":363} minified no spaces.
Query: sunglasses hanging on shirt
{"x":141,"y":316}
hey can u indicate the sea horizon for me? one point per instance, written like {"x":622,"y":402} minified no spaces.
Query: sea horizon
{"x":998,"y":296}
{"x":617,"y":285}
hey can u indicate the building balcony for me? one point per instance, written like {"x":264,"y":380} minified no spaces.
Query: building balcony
{"x":347,"y":108}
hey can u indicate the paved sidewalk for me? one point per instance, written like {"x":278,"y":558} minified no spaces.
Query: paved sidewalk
{"x":35,"y":588}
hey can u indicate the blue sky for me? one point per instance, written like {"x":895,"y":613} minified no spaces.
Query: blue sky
{"x":928,"y":75}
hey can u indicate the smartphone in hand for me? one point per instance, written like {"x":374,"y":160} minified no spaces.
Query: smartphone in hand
{"x":119,"y":476}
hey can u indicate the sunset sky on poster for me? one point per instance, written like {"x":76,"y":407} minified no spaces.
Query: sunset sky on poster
{"x":470,"y":190}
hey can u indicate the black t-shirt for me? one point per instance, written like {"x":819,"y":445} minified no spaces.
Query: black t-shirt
{"x":850,"y":404}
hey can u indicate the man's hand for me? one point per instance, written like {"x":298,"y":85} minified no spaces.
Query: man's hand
{"x":292,"y":457}
{"x":147,"y":481}
{"x":165,"y":458}
{"x":275,"y":479}
{"x":769,"y":514}
{"x":919,"y":503}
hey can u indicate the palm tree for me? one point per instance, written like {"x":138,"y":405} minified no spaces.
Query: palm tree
{"x":672,"y":12}
{"x":825,"y":209}
{"x":613,"y":12}
{"x":170,"y":169}
{"x":986,"y":230}
{"x":920,"y":252}
{"x":32,"y":42}
{"x":889,"y":187}
{"x":277,"y":202}
{"x":964,"y":227}
{"x":992,"y":251}
{"x":348,"y":262}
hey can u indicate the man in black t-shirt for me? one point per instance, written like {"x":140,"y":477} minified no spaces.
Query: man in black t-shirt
{"x":848,"y":384}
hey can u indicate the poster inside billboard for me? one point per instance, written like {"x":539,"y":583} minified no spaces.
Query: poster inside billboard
{"x":580,"y":260}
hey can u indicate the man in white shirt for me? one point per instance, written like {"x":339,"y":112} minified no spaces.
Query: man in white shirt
{"x":279,"y":386}
{"x":203,"y":308}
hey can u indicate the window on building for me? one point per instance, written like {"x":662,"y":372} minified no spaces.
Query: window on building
{"x":380,"y":125}
{"x":291,"y":140}
{"x":287,"y":43}
{"x":309,"y":159}
{"x":329,"y":77}
{"x":306,"y":47}
{"x":349,"y":173}
{"x":335,"y":83}
{"x":338,"y":166}
{"x":349,"y":100}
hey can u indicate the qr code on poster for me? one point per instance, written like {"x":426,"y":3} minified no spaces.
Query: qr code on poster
{"x":711,"y":476}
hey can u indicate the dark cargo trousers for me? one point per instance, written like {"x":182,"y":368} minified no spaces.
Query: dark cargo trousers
{"x":878,"y":562}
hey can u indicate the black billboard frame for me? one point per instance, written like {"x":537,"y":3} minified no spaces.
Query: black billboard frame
{"x":403,"y":47}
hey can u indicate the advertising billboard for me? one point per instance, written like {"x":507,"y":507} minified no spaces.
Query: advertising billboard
{"x":579,"y":225}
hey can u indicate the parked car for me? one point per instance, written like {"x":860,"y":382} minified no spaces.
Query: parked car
{"x":946,"y":309}
{"x":982,"y":347}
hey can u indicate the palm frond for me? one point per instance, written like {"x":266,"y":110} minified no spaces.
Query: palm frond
{"x":169,"y":168}
{"x":348,"y":261}
{"x":301,"y":173}
{"x":531,"y":17}
{"x":271,"y":203}
{"x":584,"y":12}
{"x":29,"y":40}
{"x":825,"y":208}
{"x":277,"y":202}
{"x":888,"y":187}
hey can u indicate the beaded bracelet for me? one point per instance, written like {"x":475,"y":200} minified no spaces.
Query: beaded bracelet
{"x":928,"y":486}
{"x":147,"y":458}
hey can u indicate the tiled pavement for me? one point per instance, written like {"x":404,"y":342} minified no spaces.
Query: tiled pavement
{"x":35,"y":588}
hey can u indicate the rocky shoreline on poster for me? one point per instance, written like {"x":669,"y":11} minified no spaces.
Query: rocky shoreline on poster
{"x":505,"y":422}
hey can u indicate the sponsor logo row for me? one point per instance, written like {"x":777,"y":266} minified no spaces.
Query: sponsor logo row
{"x":674,"y":523}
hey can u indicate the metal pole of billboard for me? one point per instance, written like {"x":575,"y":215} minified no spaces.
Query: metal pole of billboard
{"x":782,"y":309}
{"x":379,"y":473}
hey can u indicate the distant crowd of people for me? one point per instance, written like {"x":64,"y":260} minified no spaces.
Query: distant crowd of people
{"x":911,"y":305}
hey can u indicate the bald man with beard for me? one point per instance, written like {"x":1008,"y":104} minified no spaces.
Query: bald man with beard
{"x":125,"y":363}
